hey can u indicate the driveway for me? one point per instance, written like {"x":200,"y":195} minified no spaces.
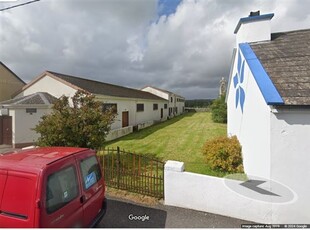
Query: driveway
{"x":124,"y":214}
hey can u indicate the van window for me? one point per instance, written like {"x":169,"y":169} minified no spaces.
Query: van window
{"x":90,"y":171}
{"x":62,"y":187}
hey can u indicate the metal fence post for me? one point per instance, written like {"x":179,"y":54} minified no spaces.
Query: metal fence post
{"x":118,"y":167}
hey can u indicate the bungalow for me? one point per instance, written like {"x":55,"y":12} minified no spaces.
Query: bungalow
{"x":135,"y":108}
{"x":176,"y":104}
{"x":9,"y":82}
{"x":268,"y":104}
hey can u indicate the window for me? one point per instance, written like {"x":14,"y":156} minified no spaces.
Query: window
{"x":90,"y":171}
{"x":140,"y":107}
{"x":155,"y":106}
{"x":171,"y":99}
{"x":108,"y":106}
{"x":62,"y":187}
{"x":165,"y":106}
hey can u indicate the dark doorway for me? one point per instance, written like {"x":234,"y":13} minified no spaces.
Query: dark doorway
{"x":125,"y":119}
{"x":6,"y":130}
{"x":161,"y":113}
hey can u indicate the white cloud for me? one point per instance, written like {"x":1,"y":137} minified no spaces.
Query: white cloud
{"x":119,"y":41}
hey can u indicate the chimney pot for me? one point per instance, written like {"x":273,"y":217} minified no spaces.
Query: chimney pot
{"x":254,"y":13}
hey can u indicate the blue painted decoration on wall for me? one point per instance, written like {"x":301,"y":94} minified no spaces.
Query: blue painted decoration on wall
{"x":238,"y":81}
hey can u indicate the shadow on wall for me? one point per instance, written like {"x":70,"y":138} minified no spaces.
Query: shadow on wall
{"x":294,"y":117}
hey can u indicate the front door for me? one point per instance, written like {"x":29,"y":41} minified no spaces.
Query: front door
{"x":125,"y":119}
{"x":161,"y":113}
{"x":7,"y":130}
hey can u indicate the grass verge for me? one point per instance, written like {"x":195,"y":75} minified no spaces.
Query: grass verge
{"x":181,"y":138}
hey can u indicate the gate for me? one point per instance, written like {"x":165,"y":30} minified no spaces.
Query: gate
{"x":132,"y":172}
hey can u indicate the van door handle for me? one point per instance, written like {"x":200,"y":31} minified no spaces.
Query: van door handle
{"x":99,"y":187}
{"x":82,"y":199}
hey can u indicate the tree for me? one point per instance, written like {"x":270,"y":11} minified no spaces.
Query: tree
{"x":219,"y":110}
{"x":83,"y":124}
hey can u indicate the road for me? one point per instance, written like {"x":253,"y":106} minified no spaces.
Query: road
{"x":122,"y":214}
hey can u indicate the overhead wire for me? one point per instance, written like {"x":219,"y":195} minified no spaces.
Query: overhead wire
{"x":22,"y":4}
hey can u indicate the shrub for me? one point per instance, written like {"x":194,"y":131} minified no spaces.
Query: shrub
{"x":219,"y":110}
{"x":81,"y":125}
{"x":224,"y":154}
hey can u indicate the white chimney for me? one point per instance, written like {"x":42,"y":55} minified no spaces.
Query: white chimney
{"x":254,"y":28}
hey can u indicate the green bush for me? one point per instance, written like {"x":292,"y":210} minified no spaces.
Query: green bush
{"x":219,"y":110}
{"x":82,"y":125}
{"x":224,"y":154}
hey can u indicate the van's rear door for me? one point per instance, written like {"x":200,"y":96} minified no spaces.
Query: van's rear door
{"x":17,"y":192}
{"x":61,"y":195}
{"x":92,"y":185}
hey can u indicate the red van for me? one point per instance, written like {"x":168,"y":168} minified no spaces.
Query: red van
{"x":51,"y":187}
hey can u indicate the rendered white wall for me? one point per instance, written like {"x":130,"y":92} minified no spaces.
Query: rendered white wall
{"x":51,"y":86}
{"x":252,"y":127}
{"x":254,"y":31}
{"x":23,"y":123}
{"x":210,"y":194}
{"x":290,"y":146}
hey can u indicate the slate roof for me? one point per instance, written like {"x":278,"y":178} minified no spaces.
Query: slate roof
{"x":286,"y":59}
{"x":32,"y":99}
{"x":96,"y":87}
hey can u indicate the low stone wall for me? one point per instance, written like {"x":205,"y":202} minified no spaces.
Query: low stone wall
{"x":145,"y":125}
{"x":117,"y":133}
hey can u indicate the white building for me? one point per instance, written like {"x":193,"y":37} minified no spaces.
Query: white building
{"x":22,"y":115}
{"x":268,"y":104}
{"x":135,"y":108}
{"x":176,"y":104}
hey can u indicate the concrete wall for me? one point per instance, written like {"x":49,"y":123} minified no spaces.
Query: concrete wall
{"x":290,"y":145}
{"x":117,"y":133}
{"x":252,"y":126}
{"x":214,"y":195}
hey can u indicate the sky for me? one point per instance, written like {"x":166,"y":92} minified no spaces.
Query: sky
{"x":184,"y":46}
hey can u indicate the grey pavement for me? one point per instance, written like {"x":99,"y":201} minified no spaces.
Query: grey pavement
{"x":126,"y":214}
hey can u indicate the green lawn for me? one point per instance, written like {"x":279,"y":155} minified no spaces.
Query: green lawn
{"x":181,"y":138}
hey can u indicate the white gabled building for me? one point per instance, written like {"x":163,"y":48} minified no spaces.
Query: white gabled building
{"x":176,"y":104}
{"x":135,"y":108}
{"x":268,"y":102}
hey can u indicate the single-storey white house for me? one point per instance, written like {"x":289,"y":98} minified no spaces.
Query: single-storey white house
{"x":135,"y":108}
{"x":176,"y":104}
{"x":268,"y":102}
